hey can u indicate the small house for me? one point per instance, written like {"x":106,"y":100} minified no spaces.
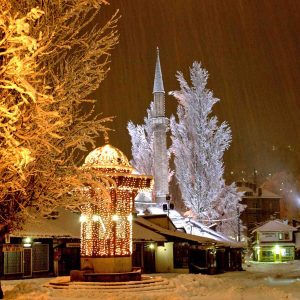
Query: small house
{"x":273,"y":242}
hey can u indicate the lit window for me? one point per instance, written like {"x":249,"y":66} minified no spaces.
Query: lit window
{"x":283,"y":252}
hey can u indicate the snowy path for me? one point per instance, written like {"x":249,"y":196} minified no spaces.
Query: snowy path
{"x":258,"y":282}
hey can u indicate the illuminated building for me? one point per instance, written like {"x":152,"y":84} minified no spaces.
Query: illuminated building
{"x":106,"y":228}
{"x":273,"y":242}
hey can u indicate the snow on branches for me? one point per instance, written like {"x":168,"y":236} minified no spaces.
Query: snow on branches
{"x":142,"y":144}
{"x":198,"y":145}
{"x":52,"y":57}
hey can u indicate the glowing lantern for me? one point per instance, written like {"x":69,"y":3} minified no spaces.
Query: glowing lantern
{"x":106,"y":229}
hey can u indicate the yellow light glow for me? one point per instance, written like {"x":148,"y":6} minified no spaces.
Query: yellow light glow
{"x":106,"y":230}
{"x":277,"y":249}
{"x":115,"y":218}
{"x":151,"y":246}
{"x":95,"y":218}
{"x":27,"y":240}
{"x":83,"y":218}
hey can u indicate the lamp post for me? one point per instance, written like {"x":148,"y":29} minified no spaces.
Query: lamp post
{"x":238,"y":225}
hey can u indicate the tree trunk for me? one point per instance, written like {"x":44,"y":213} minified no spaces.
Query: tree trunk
{"x":1,"y":292}
{"x":2,"y":238}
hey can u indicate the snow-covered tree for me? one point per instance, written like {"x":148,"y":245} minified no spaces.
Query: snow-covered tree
{"x":142,"y":144}
{"x":51,"y":59}
{"x":198,"y":145}
{"x":228,"y":210}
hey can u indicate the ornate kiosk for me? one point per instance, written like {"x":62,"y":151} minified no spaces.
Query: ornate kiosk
{"x":106,"y":228}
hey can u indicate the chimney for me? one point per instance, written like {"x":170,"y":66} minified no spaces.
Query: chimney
{"x":254,"y":187}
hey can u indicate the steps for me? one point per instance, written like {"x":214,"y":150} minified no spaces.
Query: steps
{"x":146,"y":284}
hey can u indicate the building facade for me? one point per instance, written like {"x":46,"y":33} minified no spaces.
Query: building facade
{"x":261,"y":205}
{"x":53,"y":248}
{"x":273,"y":242}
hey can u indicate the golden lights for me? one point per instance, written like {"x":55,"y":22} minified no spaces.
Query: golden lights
{"x":106,"y":228}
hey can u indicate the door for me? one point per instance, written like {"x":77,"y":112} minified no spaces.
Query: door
{"x":149,"y":259}
{"x":27,"y":262}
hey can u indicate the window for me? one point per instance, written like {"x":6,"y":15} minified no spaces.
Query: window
{"x":289,"y":251}
{"x":13,"y":262}
{"x":181,"y":255}
{"x":283,"y":236}
{"x":40,"y":257}
{"x":267,"y":253}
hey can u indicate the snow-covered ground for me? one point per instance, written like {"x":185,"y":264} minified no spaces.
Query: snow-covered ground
{"x":263,"y":281}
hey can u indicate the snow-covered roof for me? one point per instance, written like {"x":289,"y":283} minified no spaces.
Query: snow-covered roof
{"x":275,"y":225}
{"x":268,"y":194}
{"x":67,"y":225}
{"x":193,"y":227}
{"x":205,"y":229}
{"x":172,"y":213}
{"x":173,"y":233}
{"x":154,"y":210}
{"x":143,"y":233}
{"x":244,"y":189}
{"x":264,"y":193}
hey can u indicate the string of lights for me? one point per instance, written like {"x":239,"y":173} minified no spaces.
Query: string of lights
{"x":106,"y":228}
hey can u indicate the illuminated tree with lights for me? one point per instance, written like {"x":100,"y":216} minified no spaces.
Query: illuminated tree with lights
{"x":198,"y":145}
{"x":52,"y":58}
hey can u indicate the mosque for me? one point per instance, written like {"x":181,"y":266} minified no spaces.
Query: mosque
{"x":117,"y":238}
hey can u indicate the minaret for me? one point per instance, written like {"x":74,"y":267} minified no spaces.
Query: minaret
{"x":159,"y":121}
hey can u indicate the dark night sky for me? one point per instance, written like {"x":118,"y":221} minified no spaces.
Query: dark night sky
{"x":251,"y":50}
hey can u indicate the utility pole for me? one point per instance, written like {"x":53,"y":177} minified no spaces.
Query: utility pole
{"x":238,"y":225}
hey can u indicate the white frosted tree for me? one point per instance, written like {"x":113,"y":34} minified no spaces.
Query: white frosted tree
{"x":142,"y":144}
{"x":228,"y":211}
{"x":198,"y":145}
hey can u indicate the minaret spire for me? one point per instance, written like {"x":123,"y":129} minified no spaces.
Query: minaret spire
{"x":158,"y":86}
{"x":159,"y":123}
